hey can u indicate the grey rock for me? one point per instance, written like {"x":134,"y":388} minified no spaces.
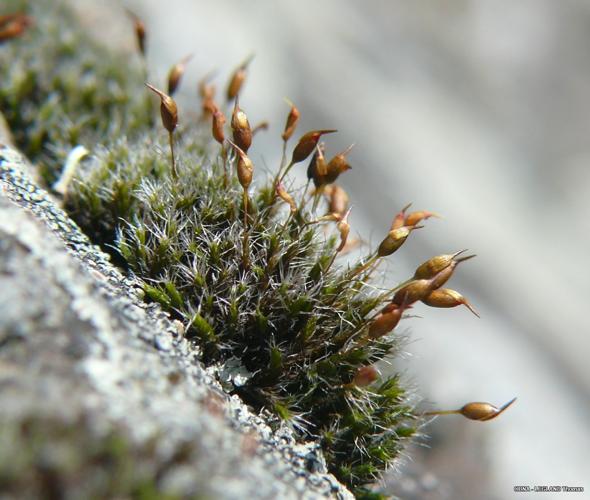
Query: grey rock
{"x":100,"y":395}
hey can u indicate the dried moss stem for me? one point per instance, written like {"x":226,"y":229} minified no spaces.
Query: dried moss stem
{"x":303,"y":196}
{"x":245,"y":248}
{"x":225,"y":167}
{"x":172,"y":159}
{"x":332,"y":259}
{"x":385,"y":296}
{"x":441,"y":412}
{"x":316,"y":198}
{"x":365,"y":266}
{"x":289,"y":167}
{"x":284,"y":156}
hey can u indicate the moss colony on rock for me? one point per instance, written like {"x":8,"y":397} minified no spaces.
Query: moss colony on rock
{"x":114,"y":465}
{"x":249,"y":272}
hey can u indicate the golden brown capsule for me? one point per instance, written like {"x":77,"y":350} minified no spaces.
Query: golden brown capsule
{"x":415,"y":217}
{"x":286,"y":197}
{"x":387,"y":320}
{"x":13,"y":26}
{"x":344,"y":229}
{"x":208,"y":107}
{"x":440,"y":278}
{"x":327,"y":218}
{"x":414,"y":291}
{"x":336,"y":166}
{"x":445,"y":297}
{"x":483,"y":411}
{"x":7,"y":18}
{"x":175,"y":74}
{"x":398,"y":220}
{"x":207,"y":95}
{"x":263,"y":125}
{"x":435,"y":265}
{"x":351,"y":244}
{"x":236,"y":82}
{"x":168,"y":109}
{"x":394,"y":240}
{"x":242,"y":133}
{"x":479,"y":411}
{"x":317,"y":167}
{"x":217,"y":126}
{"x":237,"y":79}
{"x":307,"y":143}
{"x":140,"y":32}
{"x":365,"y":376}
{"x":337,"y":199}
{"x":245,"y":167}
{"x":169,"y":114}
{"x":206,"y":90}
{"x":291,"y":124}
{"x":19,"y":17}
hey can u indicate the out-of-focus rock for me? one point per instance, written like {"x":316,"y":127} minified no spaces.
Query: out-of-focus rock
{"x":5,"y":136}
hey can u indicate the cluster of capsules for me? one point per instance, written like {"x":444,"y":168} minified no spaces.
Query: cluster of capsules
{"x":427,"y":284}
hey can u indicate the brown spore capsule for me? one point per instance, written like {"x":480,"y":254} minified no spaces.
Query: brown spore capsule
{"x":217,"y":126}
{"x":307,"y":143}
{"x":291,"y":124}
{"x":208,"y":107}
{"x":440,"y":278}
{"x":242,"y":133}
{"x":168,"y":109}
{"x":237,"y":79}
{"x":286,"y":197}
{"x":351,"y":244}
{"x":386,"y":321}
{"x":344,"y":229}
{"x":169,"y":114}
{"x":245,"y":167}
{"x":337,"y":199}
{"x":398,"y":220}
{"x":435,"y":265}
{"x":140,"y":31}
{"x":414,"y":291}
{"x":13,"y":26}
{"x":207,"y":94}
{"x":263,"y":125}
{"x":7,"y":18}
{"x":478,"y":411}
{"x":327,"y":218}
{"x":446,"y":298}
{"x":205,"y":89}
{"x":317,"y":167}
{"x":337,"y":166}
{"x":394,"y":240}
{"x":483,"y":411}
{"x":415,"y":217}
{"x":365,"y":376}
{"x":176,"y":73}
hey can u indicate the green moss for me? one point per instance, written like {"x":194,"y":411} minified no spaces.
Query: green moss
{"x":297,"y":324}
{"x":43,"y":457}
{"x":59,"y":88}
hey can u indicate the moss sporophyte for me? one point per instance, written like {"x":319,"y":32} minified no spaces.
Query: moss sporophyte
{"x":246,"y":267}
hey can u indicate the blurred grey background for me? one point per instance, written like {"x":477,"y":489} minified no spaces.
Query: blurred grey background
{"x":478,"y":110}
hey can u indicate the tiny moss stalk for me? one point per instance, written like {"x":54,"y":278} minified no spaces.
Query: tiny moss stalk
{"x":172,"y":157}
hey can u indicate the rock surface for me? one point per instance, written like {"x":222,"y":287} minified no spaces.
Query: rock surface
{"x":100,"y":395}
